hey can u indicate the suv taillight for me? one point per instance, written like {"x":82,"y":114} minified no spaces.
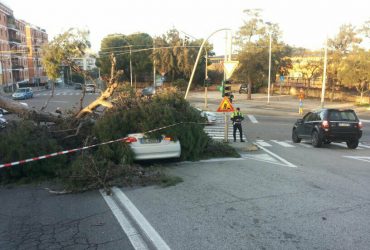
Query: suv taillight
{"x":360,"y":125}
{"x":325,"y":124}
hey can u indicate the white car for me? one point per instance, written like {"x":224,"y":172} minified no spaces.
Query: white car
{"x":3,"y":121}
{"x":90,"y":88}
{"x":210,"y":116}
{"x":153,"y":148}
{"x":3,"y":111}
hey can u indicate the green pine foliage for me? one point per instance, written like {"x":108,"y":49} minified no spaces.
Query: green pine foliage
{"x":23,"y":140}
{"x":166,"y":113}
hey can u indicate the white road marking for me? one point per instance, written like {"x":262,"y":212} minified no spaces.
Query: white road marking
{"x":144,"y":225}
{"x":306,"y":145}
{"x":364,"y":120}
{"x":263,"y":143}
{"x":363,"y":145}
{"x":284,"y":144}
{"x":278,"y":157}
{"x":133,"y":235}
{"x":343,"y":145}
{"x":252,"y":118}
{"x":59,"y":101}
{"x":214,"y":160}
{"x":263,"y":158}
{"x":360,"y":158}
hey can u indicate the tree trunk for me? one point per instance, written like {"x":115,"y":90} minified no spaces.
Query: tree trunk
{"x":101,"y":101}
{"x":249,"y":97}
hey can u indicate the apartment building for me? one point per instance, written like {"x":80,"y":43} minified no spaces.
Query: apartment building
{"x":86,"y":63}
{"x":20,"y":44}
{"x":35,"y":37}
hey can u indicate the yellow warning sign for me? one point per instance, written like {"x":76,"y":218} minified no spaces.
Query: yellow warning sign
{"x":225,"y":105}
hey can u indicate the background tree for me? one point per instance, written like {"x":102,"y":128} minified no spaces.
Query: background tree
{"x":142,"y":64}
{"x":252,"y":42}
{"x":355,"y":70}
{"x":309,"y":64}
{"x":118,"y":45}
{"x":365,"y":29}
{"x":338,"y":48}
{"x":176,"y":56}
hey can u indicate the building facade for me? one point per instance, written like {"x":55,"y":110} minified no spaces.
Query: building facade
{"x":36,"y":38}
{"x":20,"y":44}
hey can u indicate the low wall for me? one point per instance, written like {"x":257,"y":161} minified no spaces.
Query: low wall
{"x":316,"y":93}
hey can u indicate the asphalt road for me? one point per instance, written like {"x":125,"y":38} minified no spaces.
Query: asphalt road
{"x":282,"y":196}
{"x":33,"y":218}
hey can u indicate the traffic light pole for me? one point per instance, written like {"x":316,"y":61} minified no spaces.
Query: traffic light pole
{"x":197,"y":60}
{"x":226,"y":139}
{"x":206,"y":82}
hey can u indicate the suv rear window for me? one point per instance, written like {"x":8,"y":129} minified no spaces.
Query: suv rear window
{"x":336,"y":115}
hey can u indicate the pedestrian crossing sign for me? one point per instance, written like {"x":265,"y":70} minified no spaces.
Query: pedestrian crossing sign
{"x":225,"y":105}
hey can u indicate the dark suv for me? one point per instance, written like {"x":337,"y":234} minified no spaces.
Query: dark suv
{"x":329,"y":125}
{"x":243,"y":88}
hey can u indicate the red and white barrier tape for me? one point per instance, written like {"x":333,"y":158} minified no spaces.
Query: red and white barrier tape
{"x":57,"y":153}
{"x":10,"y":164}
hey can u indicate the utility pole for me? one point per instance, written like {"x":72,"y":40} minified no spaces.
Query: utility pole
{"x":324,"y":74}
{"x":227,"y":59}
{"x":269,"y":79}
{"x":206,"y":81}
{"x":130,"y":68}
{"x":153,"y":65}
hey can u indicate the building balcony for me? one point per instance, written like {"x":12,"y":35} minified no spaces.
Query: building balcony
{"x":14,"y":39}
{"x":12,"y":24}
{"x":16,"y":67}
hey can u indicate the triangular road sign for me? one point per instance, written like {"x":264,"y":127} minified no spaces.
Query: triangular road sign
{"x":225,"y":105}
{"x":229,"y":67}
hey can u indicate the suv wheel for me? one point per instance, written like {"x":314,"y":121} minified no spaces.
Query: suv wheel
{"x":352,"y":144}
{"x":315,"y":139}
{"x":295,"y":137}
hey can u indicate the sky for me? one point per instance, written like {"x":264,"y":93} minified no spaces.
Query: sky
{"x":304,"y":23}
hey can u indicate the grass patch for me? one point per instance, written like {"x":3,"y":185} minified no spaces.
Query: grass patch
{"x":217,"y":149}
{"x":168,"y":181}
{"x":365,"y":105}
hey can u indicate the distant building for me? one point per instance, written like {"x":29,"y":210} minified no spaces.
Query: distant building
{"x":86,"y":63}
{"x":36,"y":38}
{"x":20,"y":44}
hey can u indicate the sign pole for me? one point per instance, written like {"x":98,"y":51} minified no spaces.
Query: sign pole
{"x":225,"y":107}
{"x":226,"y":128}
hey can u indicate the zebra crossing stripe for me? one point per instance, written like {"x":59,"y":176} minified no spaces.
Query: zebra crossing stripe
{"x":284,"y":144}
{"x":263,"y":143}
{"x":363,"y":145}
{"x":252,"y":118}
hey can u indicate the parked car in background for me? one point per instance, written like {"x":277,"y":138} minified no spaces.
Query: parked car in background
{"x":3,"y":122}
{"x":209,"y":116}
{"x":146,"y":148}
{"x":78,"y":85}
{"x":22,"y":93}
{"x":329,"y":125}
{"x":3,"y":111}
{"x":243,"y":89}
{"x":148,"y":91}
{"x":90,"y":88}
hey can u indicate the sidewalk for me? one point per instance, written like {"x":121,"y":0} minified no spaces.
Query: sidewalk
{"x":286,"y":103}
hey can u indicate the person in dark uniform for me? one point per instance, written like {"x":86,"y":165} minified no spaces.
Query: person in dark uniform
{"x":237,"y":118}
